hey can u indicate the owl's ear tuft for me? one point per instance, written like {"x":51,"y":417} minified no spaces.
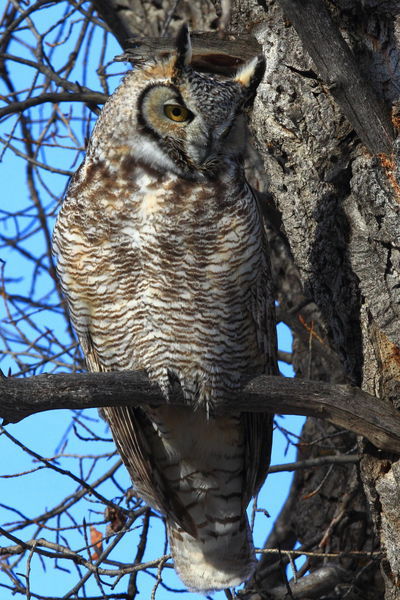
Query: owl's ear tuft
{"x":183,"y":49}
{"x":250,"y":75}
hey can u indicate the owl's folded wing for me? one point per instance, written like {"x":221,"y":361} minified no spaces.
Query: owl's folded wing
{"x":257,"y":427}
{"x":132,"y":430}
{"x":132,"y":433}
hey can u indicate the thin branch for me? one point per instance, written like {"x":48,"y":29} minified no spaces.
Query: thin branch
{"x":54,"y":467}
{"x":36,"y":163}
{"x":59,"y":551}
{"x":315,"y":462}
{"x":55,"y":98}
{"x":48,"y":72}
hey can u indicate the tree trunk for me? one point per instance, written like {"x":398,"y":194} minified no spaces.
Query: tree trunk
{"x":340,"y":212}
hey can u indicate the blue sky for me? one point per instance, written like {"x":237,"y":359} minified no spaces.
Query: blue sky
{"x":50,"y":433}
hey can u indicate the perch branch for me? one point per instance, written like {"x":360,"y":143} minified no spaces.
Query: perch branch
{"x":343,"y":405}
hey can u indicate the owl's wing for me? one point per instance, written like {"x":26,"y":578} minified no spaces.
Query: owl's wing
{"x":257,"y":427}
{"x":132,"y":431}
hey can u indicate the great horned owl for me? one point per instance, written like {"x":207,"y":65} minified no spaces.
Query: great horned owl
{"x":163,"y":261}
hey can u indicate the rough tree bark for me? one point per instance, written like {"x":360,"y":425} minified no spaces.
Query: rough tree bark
{"x":340,"y":210}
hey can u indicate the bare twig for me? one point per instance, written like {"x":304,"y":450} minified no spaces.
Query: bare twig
{"x":342,"y":459}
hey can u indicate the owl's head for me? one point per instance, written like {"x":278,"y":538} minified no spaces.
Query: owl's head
{"x":183,"y":121}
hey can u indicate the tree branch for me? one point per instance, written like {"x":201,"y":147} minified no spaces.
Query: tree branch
{"x":343,"y":405}
{"x":341,"y":459}
{"x":59,"y":551}
{"x":55,"y":98}
{"x":210,"y":53}
{"x":315,"y":585}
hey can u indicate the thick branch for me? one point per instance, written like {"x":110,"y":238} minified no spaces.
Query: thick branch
{"x":343,"y":405}
{"x":338,"y":68}
{"x":315,"y":585}
{"x":210,"y":53}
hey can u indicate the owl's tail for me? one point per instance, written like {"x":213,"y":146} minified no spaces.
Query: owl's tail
{"x":221,"y":556}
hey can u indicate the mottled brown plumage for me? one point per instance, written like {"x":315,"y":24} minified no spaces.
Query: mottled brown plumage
{"x":163,"y":260}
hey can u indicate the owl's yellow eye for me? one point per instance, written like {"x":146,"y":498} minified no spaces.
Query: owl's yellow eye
{"x":177,"y":113}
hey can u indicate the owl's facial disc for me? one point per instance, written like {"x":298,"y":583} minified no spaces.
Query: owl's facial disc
{"x":193,"y":126}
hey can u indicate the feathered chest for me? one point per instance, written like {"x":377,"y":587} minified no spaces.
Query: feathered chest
{"x":177,"y":227}
{"x":173,"y":268}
